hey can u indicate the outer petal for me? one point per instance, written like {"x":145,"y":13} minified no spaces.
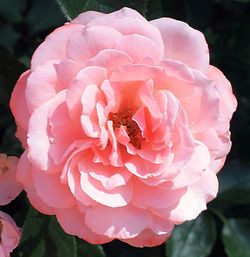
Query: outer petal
{"x":120,"y":14}
{"x":193,"y":169}
{"x":41,"y":85}
{"x":10,"y":234}
{"x":119,"y":223}
{"x":147,"y":238}
{"x":86,"y":44}
{"x":228,"y":102}
{"x":54,"y":46}
{"x":24,"y":176}
{"x":194,"y":201}
{"x":183,"y":43}
{"x":50,"y":189}
{"x":9,"y":187}
{"x":72,"y":221}
{"x":19,"y":107}
{"x":38,"y":139}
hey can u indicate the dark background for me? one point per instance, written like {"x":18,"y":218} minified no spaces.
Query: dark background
{"x":226,"y":24}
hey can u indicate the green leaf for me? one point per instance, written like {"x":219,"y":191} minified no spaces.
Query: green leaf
{"x":32,"y":235}
{"x":8,"y":37}
{"x":43,"y":236}
{"x":236,"y":237}
{"x":10,"y":70}
{"x":194,"y":238}
{"x":71,"y":8}
{"x":88,"y":250}
{"x":37,"y":21}
{"x":154,"y":9}
{"x":11,"y":10}
{"x":64,"y":244}
{"x":234,"y":185}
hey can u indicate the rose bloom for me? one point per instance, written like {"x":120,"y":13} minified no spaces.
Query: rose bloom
{"x":9,"y":235}
{"x":9,"y":187}
{"x":124,"y":124}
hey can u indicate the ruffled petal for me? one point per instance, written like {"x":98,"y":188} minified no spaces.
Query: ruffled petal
{"x":18,"y":103}
{"x":24,"y":176}
{"x":41,"y":85}
{"x":54,"y":46}
{"x":9,"y":187}
{"x":116,"y":197}
{"x":119,"y":223}
{"x":72,"y":221}
{"x":194,"y":201}
{"x":87,"y":43}
{"x":50,"y":189}
{"x":120,"y":14}
{"x":147,"y":238}
{"x":129,"y":45}
{"x":183,"y":43}
{"x":163,"y":196}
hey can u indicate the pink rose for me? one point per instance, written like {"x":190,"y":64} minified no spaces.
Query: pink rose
{"x":124,"y":125}
{"x":9,"y":187}
{"x":9,"y":235}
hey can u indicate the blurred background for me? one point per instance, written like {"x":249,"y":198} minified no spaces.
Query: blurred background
{"x":224,"y":229}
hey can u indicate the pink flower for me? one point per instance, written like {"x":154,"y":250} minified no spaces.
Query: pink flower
{"x":9,"y":235}
{"x":124,"y":125}
{"x":9,"y":187}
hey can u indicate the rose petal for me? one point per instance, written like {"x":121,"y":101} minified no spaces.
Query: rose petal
{"x":9,"y":187}
{"x":24,"y":176}
{"x":86,"y":44}
{"x":163,"y":196}
{"x":119,"y":223}
{"x":116,"y":197}
{"x":41,"y":85}
{"x":194,"y":201}
{"x":50,"y":189}
{"x":54,"y":46}
{"x":120,"y":14}
{"x":90,"y":75}
{"x":183,"y":43}
{"x":109,"y":59}
{"x":72,"y":221}
{"x":129,"y":45}
{"x":147,"y":238}
{"x":18,"y":103}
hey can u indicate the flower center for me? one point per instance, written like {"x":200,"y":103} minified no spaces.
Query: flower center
{"x":124,"y":118}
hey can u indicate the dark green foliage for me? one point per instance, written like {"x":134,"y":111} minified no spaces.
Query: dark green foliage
{"x":43,"y":236}
{"x":236,"y":237}
{"x":194,"y":238}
